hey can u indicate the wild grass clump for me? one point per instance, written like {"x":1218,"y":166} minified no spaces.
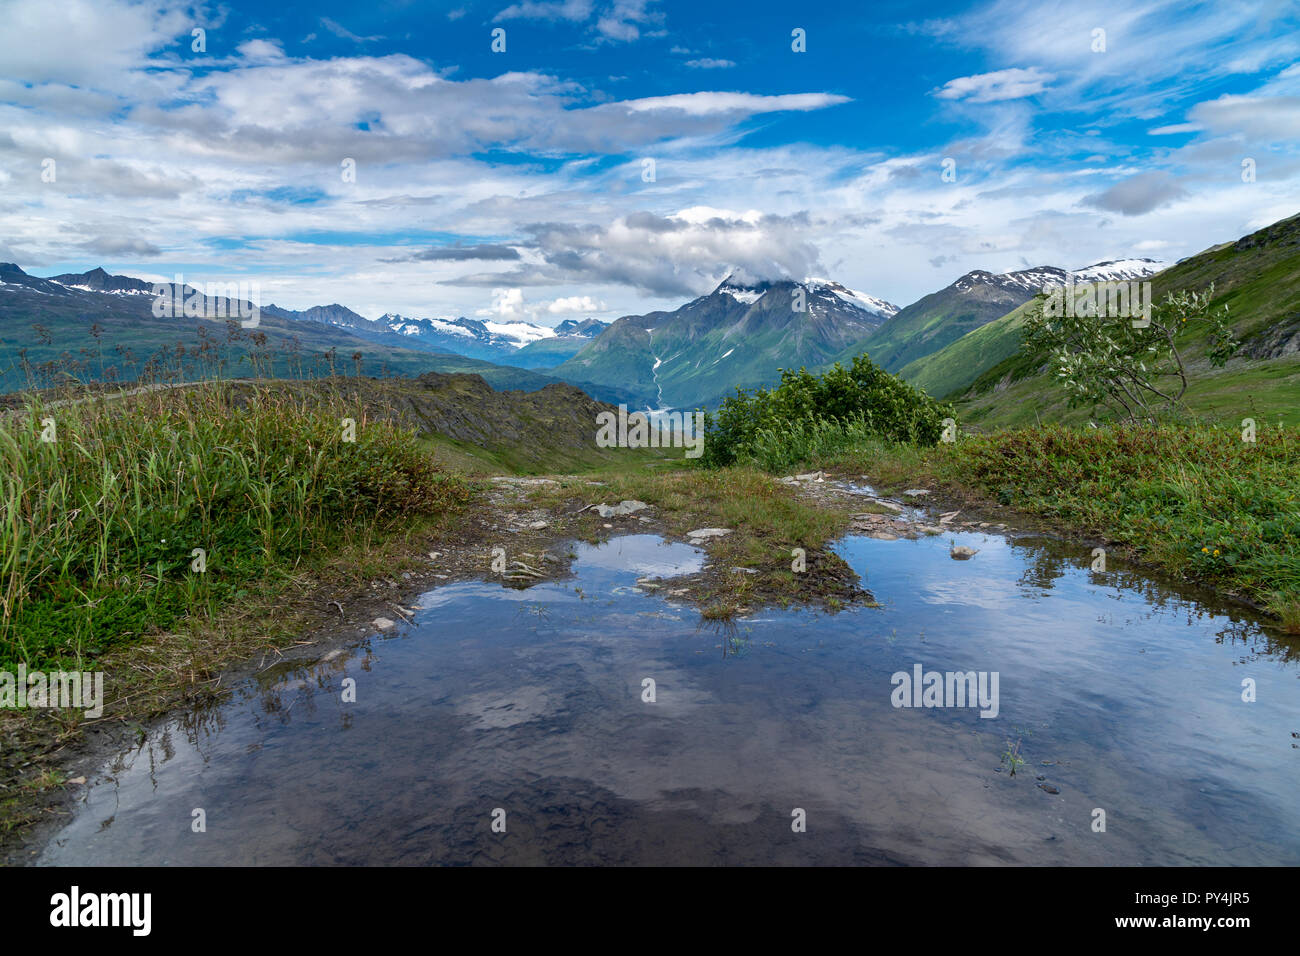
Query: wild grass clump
{"x":101,"y":524}
{"x":814,"y":415}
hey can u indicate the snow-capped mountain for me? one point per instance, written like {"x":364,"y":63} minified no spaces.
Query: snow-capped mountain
{"x":739,"y":334}
{"x":823,"y":293}
{"x":1039,"y":278}
{"x":978,"y":298}
{"x":1119,"y":269}
{"x":860,"y":300}
{"x":473,"y":338}
{"x":70,"y":284}
{"x":514,"y":343}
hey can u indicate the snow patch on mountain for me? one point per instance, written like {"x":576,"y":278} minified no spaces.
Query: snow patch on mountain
{"x":859,"y":300}
{"x":1118,"y":269}
{"x":740,"y":294}
{"x":519,"y":333}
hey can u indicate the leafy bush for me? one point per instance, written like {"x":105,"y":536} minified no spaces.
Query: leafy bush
{"x":1137,"y":367}
{"x":807,"y":413}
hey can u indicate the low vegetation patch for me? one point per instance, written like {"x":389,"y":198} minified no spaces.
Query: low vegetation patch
{"x":122,"y":517}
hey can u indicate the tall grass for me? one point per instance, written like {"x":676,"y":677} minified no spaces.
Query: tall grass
{"x":100,"y":525}
{"x":777,"y":448}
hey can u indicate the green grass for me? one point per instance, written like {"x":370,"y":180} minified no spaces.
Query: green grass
{"x":100,"y":525}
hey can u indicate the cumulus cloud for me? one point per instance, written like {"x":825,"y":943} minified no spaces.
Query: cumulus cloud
{"x":1267,"y":118}
{"x":1138,"y":194}
{"x":676,"y":255}
{"x":619,"y":21}
{"x":507,"y":305}
{"x":121,"y":247}
{"x":711,"y":103}
{"x":573,"y":10}
{"x":709,"y":63}
{"x":573,"y":304}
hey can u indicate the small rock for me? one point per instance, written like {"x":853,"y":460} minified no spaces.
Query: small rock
{"x":708,"y":533}
{"x":812,"y":476}
{"x":383,"y":624}
{"x":538,"y":525}
{"x":916,"y":492}
{"x":882,"y":536}
{"x":620,"y":509}
{"x":1048,"y":788}
{"x":960,"y":552}
{"x":745,"y":570}
{"x":78,"y":781}
{"x":945,"y":518}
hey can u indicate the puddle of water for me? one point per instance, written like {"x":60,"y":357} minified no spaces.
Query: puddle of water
{"x":1125,"y":696}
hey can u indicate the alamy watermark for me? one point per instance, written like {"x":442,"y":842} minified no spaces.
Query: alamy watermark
{"x":637,"y":430}
{"x":215,"y":300}
{"x":1113,"y":299}
{"x":57,"y":689}
{"x":923,"y":688}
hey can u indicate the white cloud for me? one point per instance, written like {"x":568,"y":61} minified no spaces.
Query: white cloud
{"x":1012,"y":84}
{"x":709,"y":103}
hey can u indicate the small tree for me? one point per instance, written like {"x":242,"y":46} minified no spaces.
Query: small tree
{"x":1135,"y":366}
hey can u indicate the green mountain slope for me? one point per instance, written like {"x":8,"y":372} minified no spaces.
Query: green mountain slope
{"x":957,"y":365}
{"x":1257,"y":278}
{"x":976,"y":299}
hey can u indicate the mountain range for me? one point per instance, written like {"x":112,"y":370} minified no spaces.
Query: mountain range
{"x":508,"y":342}
{"x":741,"y":333}
{"x":97,"y":326}
{"x":961,"y":343}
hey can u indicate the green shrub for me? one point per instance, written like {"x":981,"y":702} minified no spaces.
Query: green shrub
{"x":810,"y":413}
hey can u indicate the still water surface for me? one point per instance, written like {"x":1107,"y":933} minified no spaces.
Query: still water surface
{"x":1123,"y":695}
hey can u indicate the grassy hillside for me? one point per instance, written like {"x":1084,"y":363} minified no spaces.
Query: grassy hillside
{"x":953,"y":368}
{"x":1256,"y":277}
{"x":929,"y":324}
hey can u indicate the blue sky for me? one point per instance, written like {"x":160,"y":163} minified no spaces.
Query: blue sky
{"x":624,"y":155}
